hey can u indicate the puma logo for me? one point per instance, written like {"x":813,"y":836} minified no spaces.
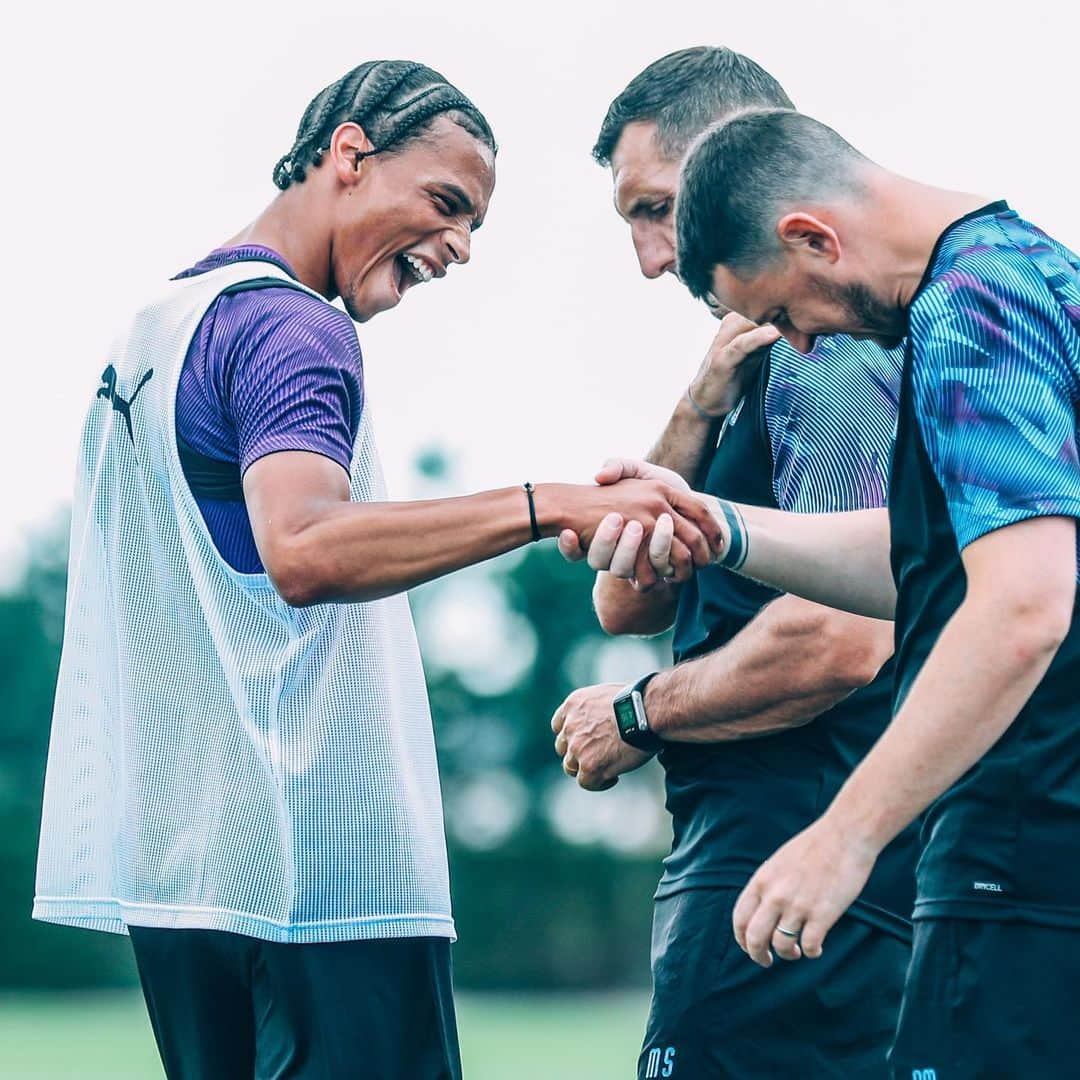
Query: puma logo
{"x":107,"y":390}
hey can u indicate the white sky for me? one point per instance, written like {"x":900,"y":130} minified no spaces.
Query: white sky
{"x":139,"y":136}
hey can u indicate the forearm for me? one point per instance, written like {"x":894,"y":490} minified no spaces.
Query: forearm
{"x":684,"y":440}
{"x":361,"y":551}
{"x":622,"y":609}
{"x":789,"y":665}
{"x":840,"y":560}
{"x":971,"y":688}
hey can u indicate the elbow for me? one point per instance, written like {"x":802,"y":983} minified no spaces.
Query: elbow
{"x":295,"y":575}
{"x":1037,"y":631}
{"x":857,"y":650}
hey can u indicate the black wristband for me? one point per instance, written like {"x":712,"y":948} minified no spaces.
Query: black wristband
{"x":529,"y":490}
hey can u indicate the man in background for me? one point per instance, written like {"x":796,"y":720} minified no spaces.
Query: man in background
{"x":773,"y":699}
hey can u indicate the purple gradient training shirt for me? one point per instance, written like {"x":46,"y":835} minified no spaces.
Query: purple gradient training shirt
{"x":268,"y":369}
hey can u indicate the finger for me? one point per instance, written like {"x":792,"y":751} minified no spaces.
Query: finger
{"x":660,"y":544}
{"x":692,"y":508}
{"x":784,"y":945}
{"x":604,"y":785}
{"x":755,"y":339}
{"x":615,"y":469}
{"x":732,"y":325}
{"x":559,"y":717}
{"x":743,"y":912}
{"x":682,"y":561}
{"x":622,"y":561}
{"x":561,"y":743}
{"x":812,"y":938}
{"x":604,"y":541}
{"x":759,"y":931}
{"x":694,"y":540}
{"x":570,"y":765}
{"x":644,"y":574}
{"x":570,"y":546}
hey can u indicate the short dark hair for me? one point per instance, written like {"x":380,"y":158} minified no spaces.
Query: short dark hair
{"x":738,"y":179}
{"x":683,"y":93}
{"x":394,"y":101}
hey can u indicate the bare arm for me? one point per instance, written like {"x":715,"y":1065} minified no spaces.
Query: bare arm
{"x":318,"y":546}
{"x":971,"y":688}
{"x":840,"y":560}
{"x":791,"y":663}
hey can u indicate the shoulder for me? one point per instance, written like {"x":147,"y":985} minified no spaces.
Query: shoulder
{"x":286,"y":315}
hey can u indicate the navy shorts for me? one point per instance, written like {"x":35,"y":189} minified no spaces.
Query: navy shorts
{"x":989,"y":1001}
{"x":716,"y":1014}
{"x":228,"y":1007}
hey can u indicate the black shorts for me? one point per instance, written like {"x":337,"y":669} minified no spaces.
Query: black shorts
{"x":717,"y":1014}
{"x":989,"y":1000}
{"x":228,"y":1007}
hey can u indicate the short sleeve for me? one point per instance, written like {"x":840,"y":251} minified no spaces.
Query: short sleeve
{"x":294,"y":380}
{"x":831,"y":418}
{"x":994,"y":374}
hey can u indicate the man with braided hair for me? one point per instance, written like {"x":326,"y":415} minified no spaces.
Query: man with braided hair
{"x":242,"y":772}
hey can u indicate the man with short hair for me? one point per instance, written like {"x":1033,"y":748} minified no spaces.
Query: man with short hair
{"x":783,"y":220}
{"x":774,"y":699}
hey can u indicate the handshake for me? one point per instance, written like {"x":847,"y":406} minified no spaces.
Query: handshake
{"x":654,"y":528}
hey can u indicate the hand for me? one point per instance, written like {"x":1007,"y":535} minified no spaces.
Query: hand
{"x":588,"y":741}
{"x":732,"y":360}
{"x":618,"y":544}
{"x":805,"y":887}
{"x":689,"y":537}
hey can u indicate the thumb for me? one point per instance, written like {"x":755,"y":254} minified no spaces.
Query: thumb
{"x":615,"y":469}
{"x":570,"y":546}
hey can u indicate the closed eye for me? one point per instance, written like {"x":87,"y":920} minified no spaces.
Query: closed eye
{"x":658,"y":211}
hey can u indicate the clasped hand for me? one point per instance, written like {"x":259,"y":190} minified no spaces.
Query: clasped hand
{"x":623,"y":548}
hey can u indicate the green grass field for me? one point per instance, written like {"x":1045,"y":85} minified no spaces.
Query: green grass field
{"x":524,"y":1037}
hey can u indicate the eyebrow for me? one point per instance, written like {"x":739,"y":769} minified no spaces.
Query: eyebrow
{"x":466,"y":203}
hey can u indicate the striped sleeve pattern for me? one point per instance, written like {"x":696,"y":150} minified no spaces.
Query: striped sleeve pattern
{"x":831,"y":417}
{"x":996,"y":379}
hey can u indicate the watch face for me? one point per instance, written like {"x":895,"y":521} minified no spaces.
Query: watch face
{"x":624,"y":714}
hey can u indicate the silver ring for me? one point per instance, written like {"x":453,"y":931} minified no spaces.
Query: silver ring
{"x":786,"y":932}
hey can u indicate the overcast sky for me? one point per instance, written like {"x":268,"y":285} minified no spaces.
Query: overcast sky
{"x":137,"y":137}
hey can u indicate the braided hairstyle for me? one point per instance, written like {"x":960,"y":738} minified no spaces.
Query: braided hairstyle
{"x":395,"y":101}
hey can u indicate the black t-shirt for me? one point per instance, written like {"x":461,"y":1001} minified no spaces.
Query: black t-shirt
{"x":987,"y":437}
{"x":734,"y":803}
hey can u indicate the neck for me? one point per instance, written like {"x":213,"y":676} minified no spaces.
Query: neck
{"x":908,"y":218}
{"x":292,"y":226}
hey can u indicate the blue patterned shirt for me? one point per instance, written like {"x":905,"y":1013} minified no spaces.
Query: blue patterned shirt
{"x":995,"y":337}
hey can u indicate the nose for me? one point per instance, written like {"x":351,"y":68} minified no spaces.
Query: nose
{"x":655,"y":252}
{"x":459,"y":245}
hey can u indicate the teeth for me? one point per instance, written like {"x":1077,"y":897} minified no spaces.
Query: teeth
{"x":418,"y":267}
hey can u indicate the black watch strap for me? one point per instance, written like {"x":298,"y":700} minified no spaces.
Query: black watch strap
{"x":630,"y":717}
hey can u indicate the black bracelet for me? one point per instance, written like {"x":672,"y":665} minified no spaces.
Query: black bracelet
{"x":536,"y":534}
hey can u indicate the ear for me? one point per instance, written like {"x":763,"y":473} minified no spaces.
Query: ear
{"x":346,"y":143}
{"x":799,"y":231}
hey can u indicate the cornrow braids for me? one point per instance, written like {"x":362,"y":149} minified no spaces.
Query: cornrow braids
{"x":395,"y":101}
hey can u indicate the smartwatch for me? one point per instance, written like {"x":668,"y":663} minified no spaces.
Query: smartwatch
{"x":630,"y":718}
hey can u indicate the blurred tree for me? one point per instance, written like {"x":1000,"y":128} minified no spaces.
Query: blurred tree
{"x":31,"y":626}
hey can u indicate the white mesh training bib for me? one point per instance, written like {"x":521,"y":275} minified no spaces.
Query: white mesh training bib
{"x":219,"y":759}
